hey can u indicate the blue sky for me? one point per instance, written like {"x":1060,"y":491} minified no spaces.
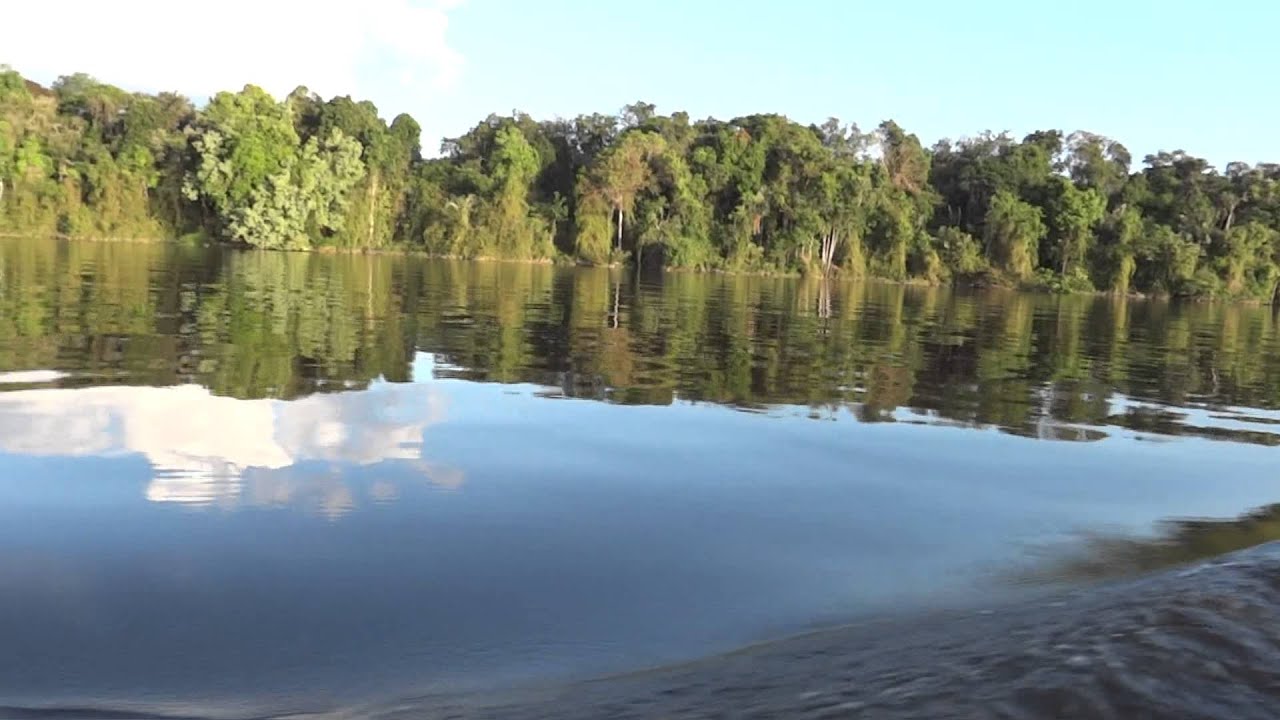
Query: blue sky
{"x":1154,"y":75}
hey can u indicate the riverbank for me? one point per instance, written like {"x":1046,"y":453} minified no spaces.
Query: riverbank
{"x":564,"y":261}
{"x":1201,"y":641}
{"x":982,"y":281}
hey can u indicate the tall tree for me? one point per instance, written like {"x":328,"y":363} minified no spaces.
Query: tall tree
{"x":1075,"y":214}
{"x":1013,"y":232}
{"x":264,"y":188}
{"x":621,"y":173}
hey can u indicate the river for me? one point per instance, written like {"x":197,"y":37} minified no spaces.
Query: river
{"x":237,"y":484}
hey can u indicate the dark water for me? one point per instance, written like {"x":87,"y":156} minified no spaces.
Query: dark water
{"x":1201,"y":642}
{"x":237,"y":483}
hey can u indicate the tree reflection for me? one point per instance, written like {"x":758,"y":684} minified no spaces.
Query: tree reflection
{"x":275,"y":325}
{"x":1176,"y":542}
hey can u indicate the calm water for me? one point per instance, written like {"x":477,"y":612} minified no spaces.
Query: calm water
{"x":294,"y":481}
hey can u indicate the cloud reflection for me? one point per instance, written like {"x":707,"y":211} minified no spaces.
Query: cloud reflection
{"x":207,"y":450}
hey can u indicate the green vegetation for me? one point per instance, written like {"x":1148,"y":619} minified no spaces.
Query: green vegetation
{"x":759,"y":193}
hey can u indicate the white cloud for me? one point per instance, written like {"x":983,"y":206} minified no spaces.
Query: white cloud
{"x":334,"y":47}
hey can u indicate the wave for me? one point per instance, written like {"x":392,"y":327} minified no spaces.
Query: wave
{"x":1197,"y":641}
{"x":89,"y":712}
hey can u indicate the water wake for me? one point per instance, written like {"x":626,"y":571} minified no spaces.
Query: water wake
{"x":1198,"y":641}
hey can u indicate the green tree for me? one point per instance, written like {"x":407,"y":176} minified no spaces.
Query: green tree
{"x":758,"y":193}
{"x":515,"y":168}
{"x":618,"y":177}
{"x":1013,"y":233}
{"x":1114,"y":256}
{"x":1248,"y":264}
{"x":1167,"y":260}
{"x":1075,"y":214}
{"x":1098,"y":163}
{"x":264,"y":187}
{"x":960,"y":252}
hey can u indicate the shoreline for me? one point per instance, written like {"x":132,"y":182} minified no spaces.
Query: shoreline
{"x":396,"y":251}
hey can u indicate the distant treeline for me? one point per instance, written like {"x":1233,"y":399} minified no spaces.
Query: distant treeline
{"x":758,"y":193}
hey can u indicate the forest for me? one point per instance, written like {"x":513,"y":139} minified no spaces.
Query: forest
{"x":762,"y":193}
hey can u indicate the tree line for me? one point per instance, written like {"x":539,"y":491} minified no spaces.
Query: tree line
{"x":758,"y":194}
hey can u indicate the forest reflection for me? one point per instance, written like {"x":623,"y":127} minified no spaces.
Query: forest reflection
{"x":286,"y":326}
{"x":1179,"y":541}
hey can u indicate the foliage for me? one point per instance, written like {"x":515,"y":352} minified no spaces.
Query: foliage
{"x":1247,"y":263}
{"x":1075,"y":214}
{"x":266,"y":188}
{"x":1168,"y":260}
{"x":755,"y":193}
{"x":1114,"y":262}
{"x":1013,"y":232}
{"x":960,"y":251}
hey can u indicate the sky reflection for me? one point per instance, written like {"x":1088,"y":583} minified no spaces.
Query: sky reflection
{"x":209,"y":451}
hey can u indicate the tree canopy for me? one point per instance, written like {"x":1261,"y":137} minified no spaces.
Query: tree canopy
{"x":759,"y":193}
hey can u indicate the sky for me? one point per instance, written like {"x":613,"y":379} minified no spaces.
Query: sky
{"x":1175,"y":74}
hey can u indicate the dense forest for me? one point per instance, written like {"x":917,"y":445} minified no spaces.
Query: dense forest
{"x":758,"y":193}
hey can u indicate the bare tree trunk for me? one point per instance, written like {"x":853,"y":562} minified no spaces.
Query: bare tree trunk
{"x":828,"y":251}
{"x":1,"y":189}
{"x":373,"y":203}
{"x":619,"y":229}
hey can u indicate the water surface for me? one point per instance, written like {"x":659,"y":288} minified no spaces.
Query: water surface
{"x":281,"y":481}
